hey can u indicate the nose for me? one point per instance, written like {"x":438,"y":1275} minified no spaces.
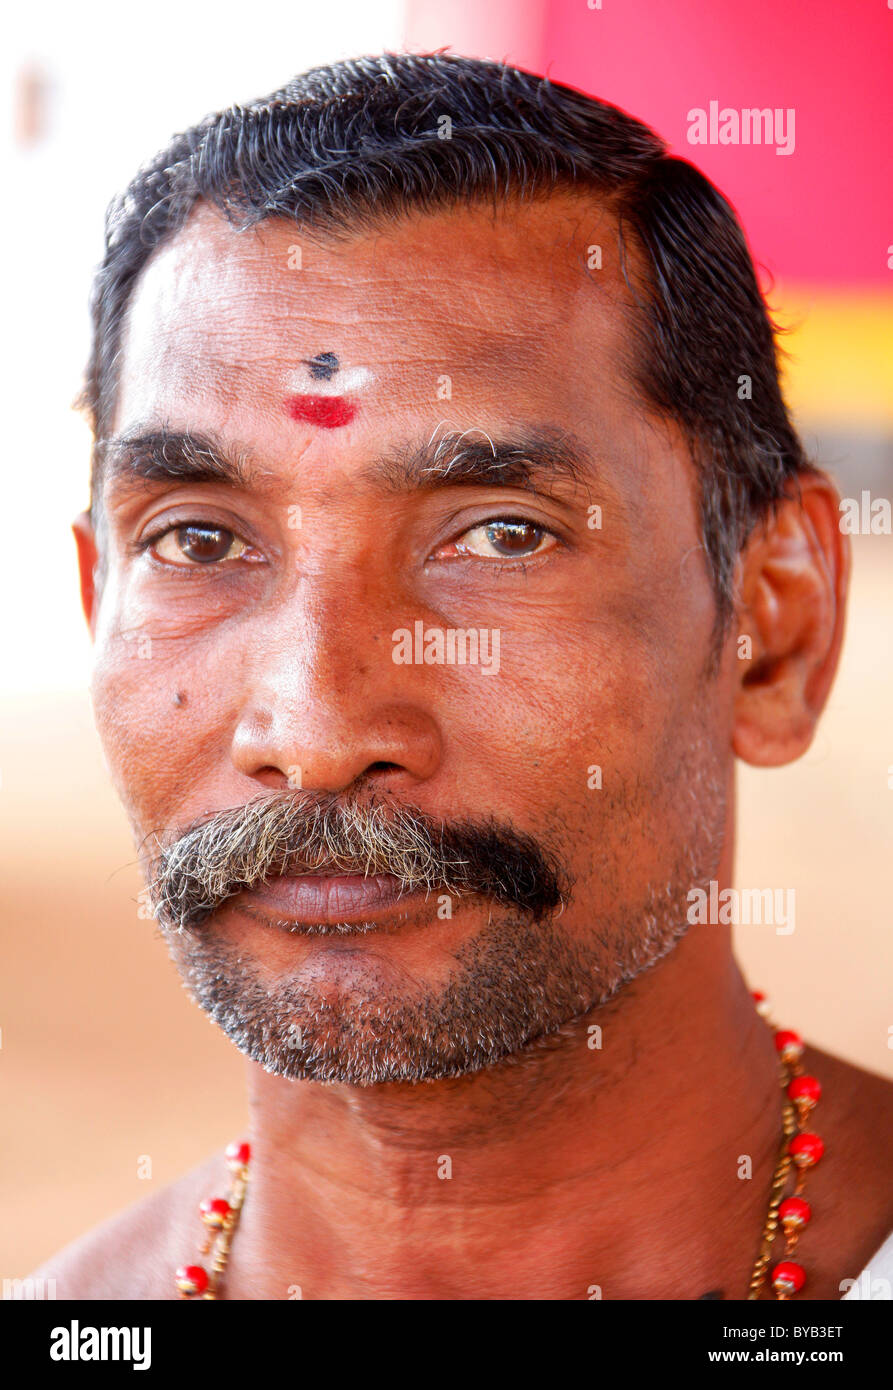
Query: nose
{"x":324,"y":707}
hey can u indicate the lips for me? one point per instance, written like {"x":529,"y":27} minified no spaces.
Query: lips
{"x":318,"y":898}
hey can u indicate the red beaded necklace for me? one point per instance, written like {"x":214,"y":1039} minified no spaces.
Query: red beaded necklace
{"x":800,"y":1150}
{"x":220,"y":1216}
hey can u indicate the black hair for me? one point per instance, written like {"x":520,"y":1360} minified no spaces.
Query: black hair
{"x":343,"y":148}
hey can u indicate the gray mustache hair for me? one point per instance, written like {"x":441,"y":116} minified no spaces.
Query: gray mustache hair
{"x":277,"y":833}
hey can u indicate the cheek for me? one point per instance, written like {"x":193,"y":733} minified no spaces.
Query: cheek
{"x":591,"y":726}
{"x":160,"y":719}
{"x":579,"y":693}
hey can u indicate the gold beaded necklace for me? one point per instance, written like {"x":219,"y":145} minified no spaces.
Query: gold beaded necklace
{"x":800,"y":1150}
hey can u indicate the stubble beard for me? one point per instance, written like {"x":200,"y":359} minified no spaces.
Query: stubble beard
{"x":519,"y":985}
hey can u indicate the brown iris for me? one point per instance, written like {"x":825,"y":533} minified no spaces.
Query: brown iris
{"x":514,"y":537}
{"x":204,"y":544}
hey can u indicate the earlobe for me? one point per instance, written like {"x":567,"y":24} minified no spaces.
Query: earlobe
{"x":791,"y":612}
{"x":88,"y":559}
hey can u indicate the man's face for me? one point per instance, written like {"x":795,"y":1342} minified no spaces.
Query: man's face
{"x":256,"y":652}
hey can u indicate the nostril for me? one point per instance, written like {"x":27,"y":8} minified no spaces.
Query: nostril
{"x":275,"y":778}
{"x":382,"y":767}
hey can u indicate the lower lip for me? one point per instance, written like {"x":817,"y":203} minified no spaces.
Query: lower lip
{"x":315,"y":899}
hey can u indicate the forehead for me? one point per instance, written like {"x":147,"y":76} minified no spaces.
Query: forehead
{"x":528,"y":304}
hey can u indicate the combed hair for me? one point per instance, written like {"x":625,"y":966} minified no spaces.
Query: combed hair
{"x":343,"y":148}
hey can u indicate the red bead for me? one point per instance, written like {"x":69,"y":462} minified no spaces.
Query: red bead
{"x":805,"y":1089}
{"x":214,"y":1211}
{"x":806,"y":1149}
{"x":191,"y":1279}
{"x":788,"y":1277}
{"x":789,"y":1044}
{"x":238,"y":1154}
{"x":794,"y":1213}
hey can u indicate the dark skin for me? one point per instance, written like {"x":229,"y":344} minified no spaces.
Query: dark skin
{"x":615,"y":1167}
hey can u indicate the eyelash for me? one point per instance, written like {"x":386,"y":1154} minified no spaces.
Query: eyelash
{"x":186,"y":571}
{"x":521,"y":564}
{"x":146,"y":542}
{"x":139,"y":547}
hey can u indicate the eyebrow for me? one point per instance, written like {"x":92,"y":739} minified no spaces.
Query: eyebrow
{"x":173,"y":456}
{"x":532,"y":458}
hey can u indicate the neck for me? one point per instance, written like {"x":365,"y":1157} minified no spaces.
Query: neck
{"x":573,"y":1171}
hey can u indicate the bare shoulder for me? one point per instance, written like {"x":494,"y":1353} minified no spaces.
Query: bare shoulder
{"x":851,"y":1189}
{"x":860,"y":1103}
{"x":134,"y":1253}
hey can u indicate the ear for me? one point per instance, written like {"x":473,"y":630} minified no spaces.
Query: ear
{"x":792,"y":597}
{"x":88,"y":561}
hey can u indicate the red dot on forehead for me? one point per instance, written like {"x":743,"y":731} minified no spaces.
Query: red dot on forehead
{"x":329,"y":412}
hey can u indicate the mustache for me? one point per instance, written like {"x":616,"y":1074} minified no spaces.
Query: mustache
{"x":279,"y":833}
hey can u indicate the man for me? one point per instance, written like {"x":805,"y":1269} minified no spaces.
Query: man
{"x":441,"y":462}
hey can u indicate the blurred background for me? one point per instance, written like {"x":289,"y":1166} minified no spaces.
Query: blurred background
{"x":103,"y":1059}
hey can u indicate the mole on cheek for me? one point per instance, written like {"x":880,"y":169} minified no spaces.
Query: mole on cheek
{"x":179,"y":697}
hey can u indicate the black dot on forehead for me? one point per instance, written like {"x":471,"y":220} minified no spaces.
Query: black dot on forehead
{"x":323,"y":365}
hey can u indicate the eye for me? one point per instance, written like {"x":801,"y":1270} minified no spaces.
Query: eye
{"x":198,"y":543}
{"x":505,"y":538}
